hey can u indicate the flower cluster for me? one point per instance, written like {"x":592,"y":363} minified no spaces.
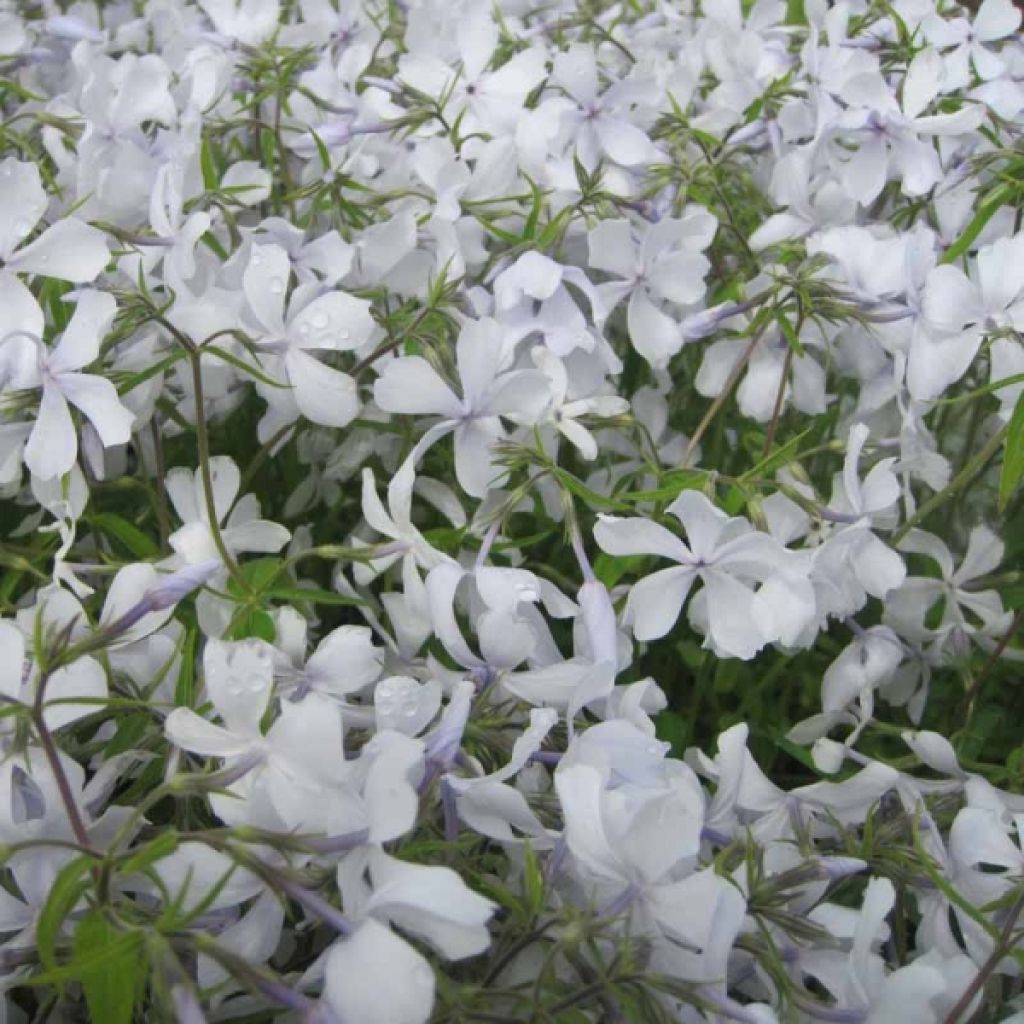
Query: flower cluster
{"x":510,"y":511}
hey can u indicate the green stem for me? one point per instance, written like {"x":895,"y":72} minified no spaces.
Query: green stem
{"x":723,"y":396}
{"x":194,"y":353}
{"x":53,"y":758}
{"x":957,"y":484}
{"x":203,"y":444}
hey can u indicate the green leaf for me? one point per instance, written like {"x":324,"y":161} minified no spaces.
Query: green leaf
{"x":795,"y":751}
{"x":67,"y":890}
{"x":675,"y":729}
{"x":133,"y":380}
{"x":530,"y":227}
{"x":208,"y":166}
{"x":93,"y":961}
{"x":672,"y":484}
{"x":1013,"y":457}
{"x":1001,"y":195}
{"x":609,"y":569}
{"x":789,"y":333}
{"x":241,"y":364}
{"x":185,"y":687}
{"x":253,"y":622}
{"x":581,"y":490}
{"x":985,"y":389}
{"x":783,"y":454}
{"x":315,"y":596}
{"x":130,"y":731}
{"x":259,"y":574}
{"x":109,"y":989}
{"x":163,"y":846}
{"x":533,"y":880}
{"x":127,"y":534}
{"x":554,"y":229}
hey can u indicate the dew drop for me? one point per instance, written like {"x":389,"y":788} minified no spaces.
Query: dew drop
{"x":386,"y":697}
{"x":22,"y":228}
{"x":320,"y":320}
{"x":343,"y":334}
{"x":276,"y":286}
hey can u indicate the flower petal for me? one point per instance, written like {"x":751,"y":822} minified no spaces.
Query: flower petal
{"x":374,"y":977}
{"x":324,"y":396}
{"x":97,"y":399}
{"x":70,"y":250}
{"x":53,"y":444}
{"x":655,"y":602}
{"x":412,"y":386}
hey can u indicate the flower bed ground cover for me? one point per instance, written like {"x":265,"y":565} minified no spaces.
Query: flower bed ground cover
{"x":511,"y":512}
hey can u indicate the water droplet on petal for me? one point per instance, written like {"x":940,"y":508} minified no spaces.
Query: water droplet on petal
{"x":320,"y":320}
{"x":22,"y":227}
{"x":386,"y":697}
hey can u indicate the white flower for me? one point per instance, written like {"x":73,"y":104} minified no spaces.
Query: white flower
{"x":965,"y":610}
{"x":71,"y":692}
{"x":242,"y":529}
{"x":597,"y":122}
{"x":293,"y":775}
{"x":333,"y":321}
{"x":810,"y":204}
{"x":247,"y":21}
{"x":532,"y":295}
{"x":663,"y":263}
{"x":427,"y":901}
{"x":482,"y":100}
{"x":758,"y":391}
{"x":70,"y":249}
{"x":490,"y":390}
{"x":889,"y":131}
{"x":858,"y":980}
{"x":864,"y":664}
{"x":853,"y":562}
{"x":959,"y":310}
{"x":993,"y":20}
{"x":25,"y":362}
{"x":728,"y":557}
{"x":565,"y":411}
{"x":375,"y":977}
